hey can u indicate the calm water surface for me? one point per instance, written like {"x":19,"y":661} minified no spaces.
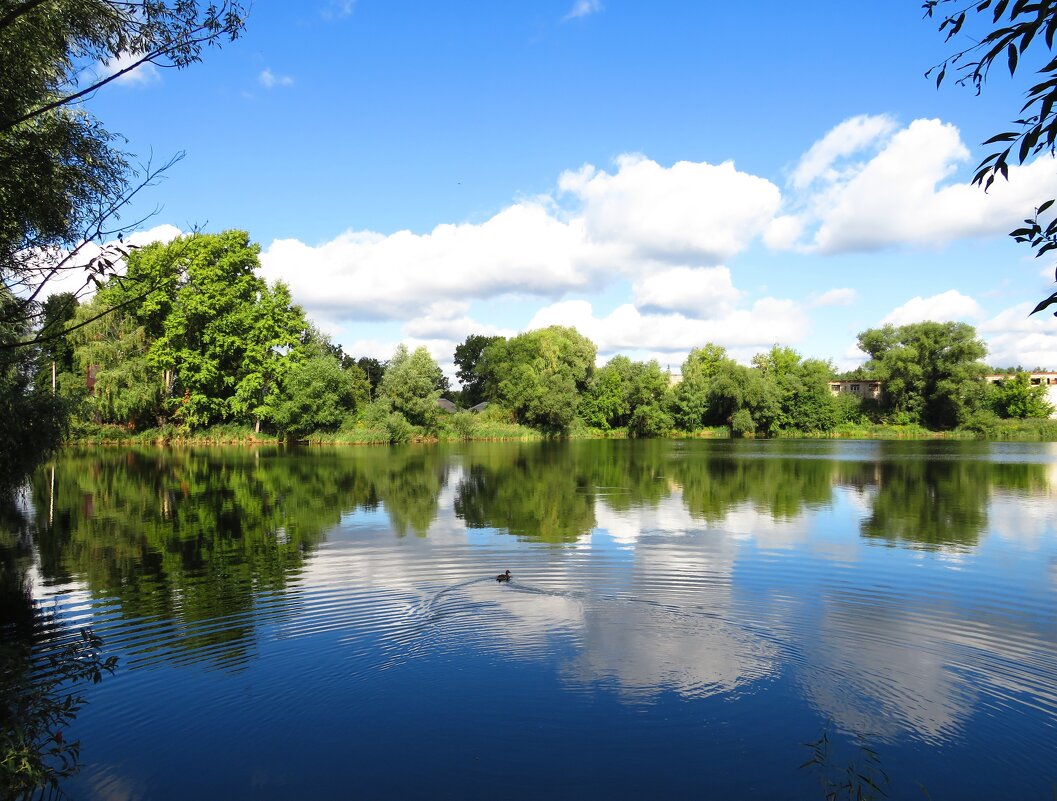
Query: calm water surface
{"x":683,"y":617}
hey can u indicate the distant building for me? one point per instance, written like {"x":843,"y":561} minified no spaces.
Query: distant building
{"x":1046,"y":378}
{"x":480,"y":407}
{"x":860,"y":389}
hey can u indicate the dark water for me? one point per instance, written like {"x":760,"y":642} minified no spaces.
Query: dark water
{"x":683,"y":618}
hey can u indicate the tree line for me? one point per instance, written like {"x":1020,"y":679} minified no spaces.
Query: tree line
{"x":215,"y":344}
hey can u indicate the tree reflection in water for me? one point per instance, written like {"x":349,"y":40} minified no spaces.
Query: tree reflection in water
{"x":202,"y":550}
{"x":43,"y":664}
{"x":182,"y":537}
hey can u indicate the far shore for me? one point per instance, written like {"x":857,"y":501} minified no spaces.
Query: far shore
{"x":106,"y":435}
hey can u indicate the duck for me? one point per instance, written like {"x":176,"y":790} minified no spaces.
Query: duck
{"x":503,"y":576}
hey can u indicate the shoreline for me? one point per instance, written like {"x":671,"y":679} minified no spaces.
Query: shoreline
{"x":1016,"y":431}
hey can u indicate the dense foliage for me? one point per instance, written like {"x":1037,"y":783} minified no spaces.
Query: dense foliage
{"x":539,"y":375}
{"x":34,"y":419}
{"x":467,"y":356}
{"x":63,"y":180}
{"x":220,"y":346}
{"x":215,"y":344}
{"x":412,"y":384}
{"x":931,"y":372}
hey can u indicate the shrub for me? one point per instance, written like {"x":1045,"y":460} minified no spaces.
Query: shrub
{"x":398,"y":428}
{"x":463,"y":424}
{"x":650,"y":420}
{"x":742,"y":424}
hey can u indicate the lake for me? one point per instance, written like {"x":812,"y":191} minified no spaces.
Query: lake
{"x":685,"y":618}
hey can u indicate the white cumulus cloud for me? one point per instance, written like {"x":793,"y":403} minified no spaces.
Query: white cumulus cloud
{"x":742,"y":331}
{"x":689,"y":211}
{"x":642,"y":221}
{"x":696,"y":292}
{"x":949,"y":306}
{"x":1014,"y":338}
{"x":846,"y":139}
{"x":143,"y":75}
{"x":899,"y":191}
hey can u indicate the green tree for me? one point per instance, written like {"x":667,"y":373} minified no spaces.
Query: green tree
{"x":35,"y":420}
{"x":62,"y":180}
{"x":930,"y":371}
{"x":374,"y":370}
{"x":55,"y":355}
{"x":221,"y":330}
{"x":1018,"y":397}
{"x":210,"y":346}
{"x":716,"y":390}
{"x":691,"y":401}
{"x":802,"y":389}
{"x":649,"y":398}
{"x":317,"y":395}
{"x":539,"y":375}
{"x":743,"y":399}
{"x":467,"y":355}
{"x":604,"y":402}
{"x":112,"y":349}
{"x":412,"y":385}
{"x":276,"y":326}
{"x":628,"y":394}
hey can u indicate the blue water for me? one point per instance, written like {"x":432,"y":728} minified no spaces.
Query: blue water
{"x":683,"y":618}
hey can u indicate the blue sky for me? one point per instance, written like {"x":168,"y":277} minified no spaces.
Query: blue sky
{"x":660,"y":175}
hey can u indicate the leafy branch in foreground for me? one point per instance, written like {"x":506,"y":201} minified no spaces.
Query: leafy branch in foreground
{"x":121,"y":36}
{"x":38,"y":702}
{"x":1013,"y":28}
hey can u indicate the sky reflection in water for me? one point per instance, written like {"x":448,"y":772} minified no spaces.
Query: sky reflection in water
{"x":683,"y":617}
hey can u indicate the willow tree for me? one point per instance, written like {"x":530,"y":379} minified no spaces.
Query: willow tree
{"x":540,"y":374}
{"x":412,"y":383}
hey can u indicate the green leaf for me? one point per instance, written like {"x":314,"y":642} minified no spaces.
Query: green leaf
{"x":1044,"y":304}
{"x":1009,"y":136}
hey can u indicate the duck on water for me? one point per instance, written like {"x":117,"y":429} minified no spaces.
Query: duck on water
{"x":503,"y":576}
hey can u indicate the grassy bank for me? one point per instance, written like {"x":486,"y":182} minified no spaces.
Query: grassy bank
{"x":102,"y":434}
{"x":460,"y":428}
{"x":1033,"y":430}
